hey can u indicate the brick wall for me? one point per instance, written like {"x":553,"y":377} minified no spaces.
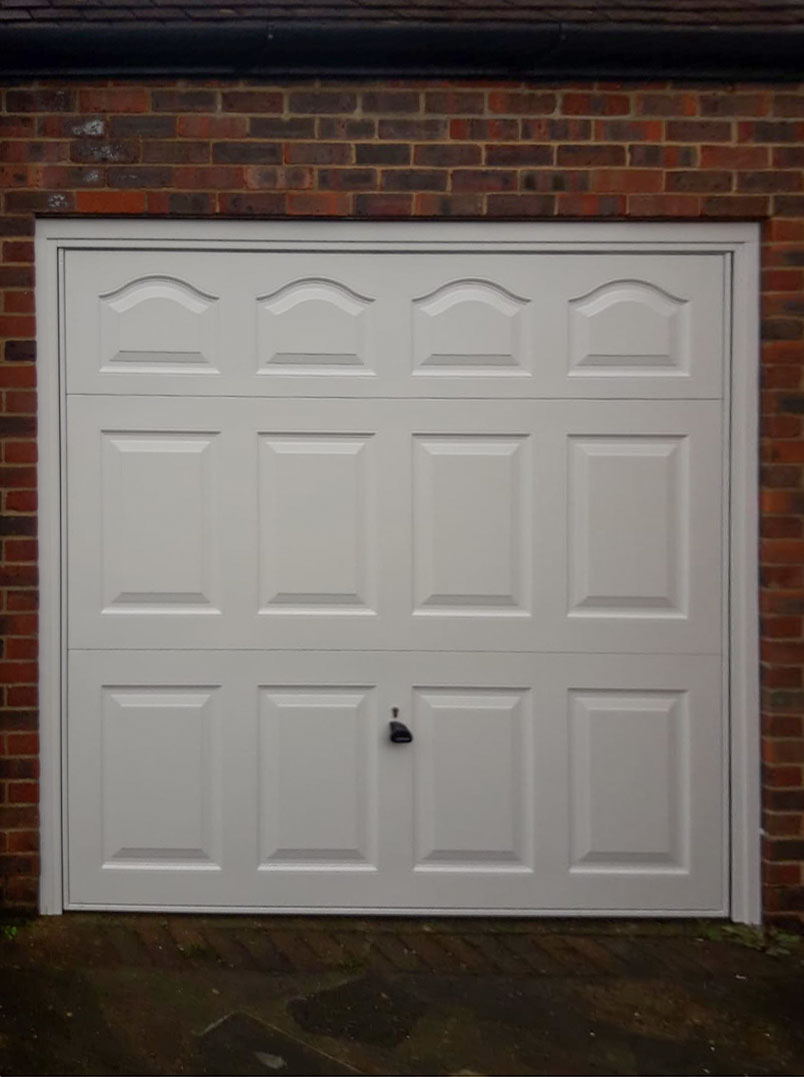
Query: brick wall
{"x":401,"y":149}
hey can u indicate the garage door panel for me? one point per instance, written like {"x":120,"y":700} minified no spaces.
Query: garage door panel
{"x":471,"y":522}
{"x":641,"y":324}
{"x":532,"y":782}
{"x":636,"y":553}
{"x":529,"y":525}
{"x":318,"y":778}
{"x":473,"y":771}
{"x":625,"y":816}
{"x":159,"y":525}
{"x":470,"y":327}
{"x":637,"y":804}
{"x":160,"y":779}
{"x":478,"y":491}
{"x":317,"y":537}
{"x":315,"y":325}
{"x":329,"y":324}
{"x":628,"y":502}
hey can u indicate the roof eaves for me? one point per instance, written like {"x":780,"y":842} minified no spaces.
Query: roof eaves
{"x":400,"y":48}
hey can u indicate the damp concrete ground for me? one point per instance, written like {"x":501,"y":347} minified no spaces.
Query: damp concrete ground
{"x":109,"y":994}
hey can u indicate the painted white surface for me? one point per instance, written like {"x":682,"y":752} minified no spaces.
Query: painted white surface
{"x":522,"y":787}
{"x":654,"y":843}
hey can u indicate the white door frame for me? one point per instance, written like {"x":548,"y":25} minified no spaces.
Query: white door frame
{"x":738,"y":242}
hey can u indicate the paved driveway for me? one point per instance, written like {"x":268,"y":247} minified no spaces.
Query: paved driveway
{"x":94,"y":994}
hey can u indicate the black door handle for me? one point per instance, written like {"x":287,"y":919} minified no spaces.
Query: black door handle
{"x":400,"y":734}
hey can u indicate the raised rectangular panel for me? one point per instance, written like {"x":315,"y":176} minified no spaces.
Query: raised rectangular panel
{"x":159,"y":324}
{"x":629,"y":785}
{"x":317,"y":779}
{"x":314,"y":326}
{"x":472,"y":785}
{"x":628,"y":523}
{"x":470,"y":327}
{"x":159,"y":522}
{"x":629,"y":327}
{"x":471,"y":525}
{"x":316,"y":523}
{"x":160,"y":797}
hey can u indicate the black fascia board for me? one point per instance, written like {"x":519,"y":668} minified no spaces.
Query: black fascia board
{"x":341,"y":49}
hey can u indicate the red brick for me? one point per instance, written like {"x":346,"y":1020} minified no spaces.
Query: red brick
{"x":484,"y":130}
{"x":527,"y":103}
{"x":318,"y":204}
{"x":318,"y":153}
{"x":398,"y":130}
{"x":163,"y":152}
{"x":627,"y":180}
{"x":590,"y":205}
{"x":184,"y":100}
{"x":698,"y":131}
{"x":253,"y":101}
{"x":551,"y":130}
{"x":788,"y":104}
{"x":555,"y":180}
{"x":214,"y":179}
{"x":483,"y":179}
{"x":383,"y":153}
{"x":664,"y":205}
{"x":586,"y":156}
{"x":262,"y":204}
{"x":413,"y":179}
{"x":317,"y":101}
{"x":336,"y":127}
{"x":277,"y":128}
{"x":770,"y":131}
{"x":734,"y":104}
{"x":518,"y":154}
{"x":446,"y":155}
{"x":293,"y":177}
{"x":390,"y":101}
{"x":113,"y":100}
{"x":698,"y":180}
{"x":751,"y":206}
{"x":246,"y":153}
{"x":466,"y":103}
{"x":40,"y":100}
{"x":595,"y":104}
{"x":383,"y":205}
{"x":628,"y":130}
{"x":93,"y":151}
{"x":520,"y":205}
{"x":213,"y":126}
{"x":666,"y":104}
{"x":110,"y":202}
{"x":23,"y":841}
{"x":23,"y":793}
{"x":447,"y":205}
{"x":346,"y":179}
{"x":744,"y":157}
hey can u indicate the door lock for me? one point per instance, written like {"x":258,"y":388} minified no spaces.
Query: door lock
{"x":400,"y":734}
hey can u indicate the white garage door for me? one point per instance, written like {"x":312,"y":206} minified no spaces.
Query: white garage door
{"x":476,"y":492}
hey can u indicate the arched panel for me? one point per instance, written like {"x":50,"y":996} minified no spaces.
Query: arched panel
{"x":159,"y":324}
{"x":313,"y":327}
{"x":628,"y":326}
{"x":469,"y":327}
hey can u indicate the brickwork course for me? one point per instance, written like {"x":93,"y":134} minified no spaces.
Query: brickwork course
{"x":400,"y":149}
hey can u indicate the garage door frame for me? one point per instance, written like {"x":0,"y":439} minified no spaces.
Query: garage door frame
{"x":739,"y":243}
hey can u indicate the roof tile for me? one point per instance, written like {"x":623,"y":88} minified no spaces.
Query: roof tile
{"x":677,"y":13}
